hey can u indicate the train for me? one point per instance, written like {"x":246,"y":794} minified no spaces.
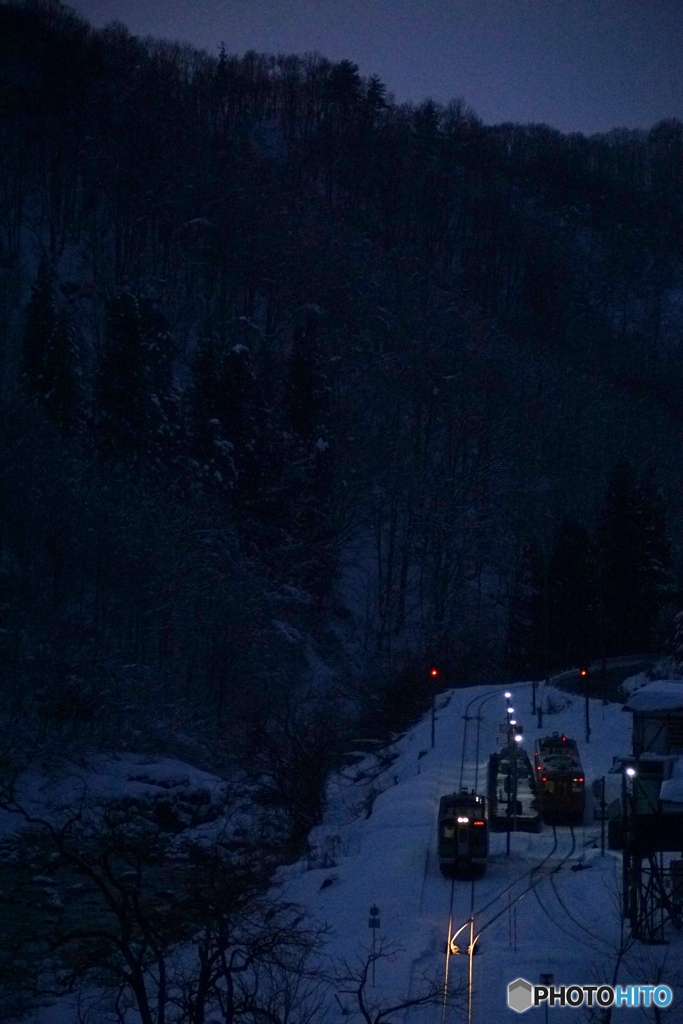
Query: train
{"x":463,"y":835}
{"x":561,"y":779}
{"x":512,"y":791}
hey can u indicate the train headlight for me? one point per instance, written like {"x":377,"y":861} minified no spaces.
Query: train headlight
{"x":518,"y":738}
{"x":463,"y":821}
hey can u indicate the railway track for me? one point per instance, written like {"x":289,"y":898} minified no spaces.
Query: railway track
{"x":546,"y":867}
{"x":484,"y":698}
{"x":597,"y":942}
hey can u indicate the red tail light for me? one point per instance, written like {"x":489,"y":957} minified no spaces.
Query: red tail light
{"x":477,"y":822}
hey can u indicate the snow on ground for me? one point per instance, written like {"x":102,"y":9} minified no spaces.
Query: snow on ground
{"x":377,"y":845}
{"x":383,"y":851}
{"x":104,"y":777}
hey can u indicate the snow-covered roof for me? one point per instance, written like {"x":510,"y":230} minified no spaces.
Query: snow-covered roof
{"x":672,"y":791}
{"x":664,"y":695}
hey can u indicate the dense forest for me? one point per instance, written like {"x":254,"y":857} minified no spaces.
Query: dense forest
{"x":303,"y":390}
{"x":262,"y":327}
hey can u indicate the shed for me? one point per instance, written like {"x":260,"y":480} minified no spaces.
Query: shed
{"x":657,"y":717}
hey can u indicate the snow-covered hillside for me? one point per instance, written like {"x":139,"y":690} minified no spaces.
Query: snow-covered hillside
{"x":383,"y":851}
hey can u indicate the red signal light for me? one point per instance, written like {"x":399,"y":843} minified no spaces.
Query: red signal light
{"x":434,"y":672}
{"x":544,"y":778}
{"x":583,"y":672}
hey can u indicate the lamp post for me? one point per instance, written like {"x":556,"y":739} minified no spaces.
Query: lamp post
{"x":628,"y":772}
{"x":434,"y":673}
{"x":510,"y":711}
{"x":584,"y":675}
{"x":518,"y":739}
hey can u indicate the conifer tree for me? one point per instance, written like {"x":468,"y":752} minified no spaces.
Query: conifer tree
{"x":243,"y":414}
{"x":526,"y":616}
{"x":51,"y":363}
{"x":375,"y":95}
{"x":308,"y":392}
{"x":41,"y":320}
{"x":230,"y":422}
{"x":309,"y":414}
{"x":634,"y":560}
{"x":572,"y":601}
{"x":135,"y":378}
{"x":63,"y":372}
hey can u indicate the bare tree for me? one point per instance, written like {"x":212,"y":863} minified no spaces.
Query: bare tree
{"x":127,"y":898}
{"x":353,"y":979}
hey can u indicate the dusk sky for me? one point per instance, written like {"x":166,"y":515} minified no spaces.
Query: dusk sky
{"x":579,"y":65}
